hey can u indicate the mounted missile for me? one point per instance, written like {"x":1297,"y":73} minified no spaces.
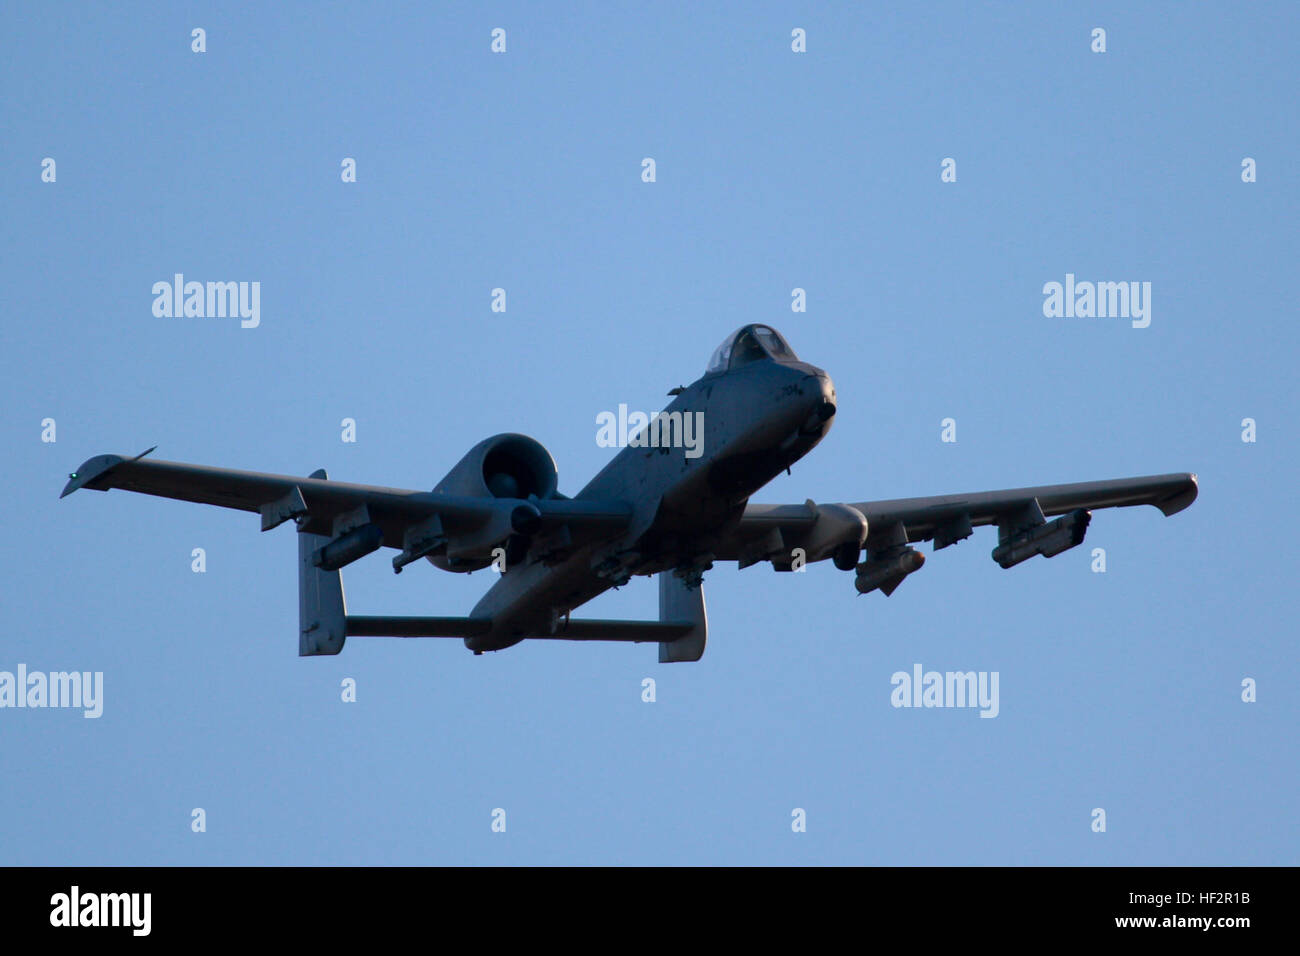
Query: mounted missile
{"x":420,"y":541}
{"x":350,"y":547}
{"x":1048,"y":539}
{"x":887,"y":571}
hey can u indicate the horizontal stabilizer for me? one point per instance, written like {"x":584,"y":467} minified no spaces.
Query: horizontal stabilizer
{"x":363,"y":625}
{"x":636,"y":631}
{"x":360,"y":625}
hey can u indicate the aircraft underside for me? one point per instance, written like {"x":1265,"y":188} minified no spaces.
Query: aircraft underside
{"x":660,"y":507}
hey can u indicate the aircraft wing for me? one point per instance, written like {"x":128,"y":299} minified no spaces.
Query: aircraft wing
{"x":924,"y":518}
{"x":406,"y":518}
{"x":769,"y":532}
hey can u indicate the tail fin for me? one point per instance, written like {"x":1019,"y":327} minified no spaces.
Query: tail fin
{"x":677,"y":602}
{"x":322,"y":611}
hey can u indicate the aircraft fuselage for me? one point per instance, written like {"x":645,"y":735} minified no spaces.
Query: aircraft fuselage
{"x":758,"y":420}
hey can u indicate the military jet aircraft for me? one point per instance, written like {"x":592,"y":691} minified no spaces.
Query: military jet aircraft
{"x":656,"y":508}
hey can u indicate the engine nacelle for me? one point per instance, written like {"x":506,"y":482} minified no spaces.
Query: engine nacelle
{"x":1048,"y":539}
{"x":503,"y":466}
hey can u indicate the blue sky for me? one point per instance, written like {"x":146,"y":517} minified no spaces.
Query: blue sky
{"x":775,"y":170}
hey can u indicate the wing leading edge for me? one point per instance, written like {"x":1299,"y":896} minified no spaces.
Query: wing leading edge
{"x":886,"y":528}
{"x":321,"y":505}
{"x":925,"y":518}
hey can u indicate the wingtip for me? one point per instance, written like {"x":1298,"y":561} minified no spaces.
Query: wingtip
{"x":91,"y":469}
{"x":1183,"y":498}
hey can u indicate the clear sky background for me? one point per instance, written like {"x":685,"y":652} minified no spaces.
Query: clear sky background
{"x":775,"y":170}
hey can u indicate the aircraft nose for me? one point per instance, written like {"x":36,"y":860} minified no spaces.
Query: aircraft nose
{"x":822,"y":394}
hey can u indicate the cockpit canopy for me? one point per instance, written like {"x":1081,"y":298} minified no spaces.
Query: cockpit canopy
{"x":750,"y":343}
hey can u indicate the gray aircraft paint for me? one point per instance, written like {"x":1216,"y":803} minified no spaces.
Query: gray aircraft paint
{"x":651,"y":510}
